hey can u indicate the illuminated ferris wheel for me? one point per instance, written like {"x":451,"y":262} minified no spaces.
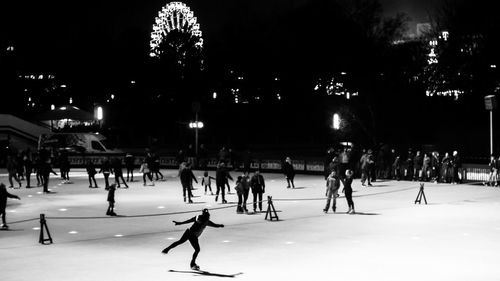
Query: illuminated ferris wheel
{"x":174,"y":17}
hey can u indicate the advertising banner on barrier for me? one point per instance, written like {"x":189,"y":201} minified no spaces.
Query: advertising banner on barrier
{"x":299,"y":165}
{"x":315,"y":166}
{"x":270,"y":165}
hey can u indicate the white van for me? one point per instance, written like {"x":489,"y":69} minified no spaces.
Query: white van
{"x":76,"y":142}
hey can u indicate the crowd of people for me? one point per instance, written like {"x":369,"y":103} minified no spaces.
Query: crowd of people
{"x":418,"y":166}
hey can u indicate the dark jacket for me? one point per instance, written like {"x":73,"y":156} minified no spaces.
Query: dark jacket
{"x":186,"y":176}
{"x":91,"y":169}
{"x":221,"y":176}
{"x":288,"y":170}
{"x":111,"y":194}
{"x":257,"y":183}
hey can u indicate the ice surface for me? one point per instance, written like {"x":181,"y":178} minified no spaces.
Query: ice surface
{"x":455,"y":237}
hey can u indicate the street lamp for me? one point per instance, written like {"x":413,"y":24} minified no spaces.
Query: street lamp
{"x":336,"y":121}
{"x":490,"y":103}
{"x":196,"y":125}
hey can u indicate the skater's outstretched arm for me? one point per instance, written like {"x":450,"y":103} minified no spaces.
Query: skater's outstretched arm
{"x":210,"y":223}
{"x":193,"y":219}
{"x":52,"y":171}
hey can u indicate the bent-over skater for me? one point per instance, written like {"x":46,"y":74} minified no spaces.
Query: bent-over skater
{"x":192,"y":234}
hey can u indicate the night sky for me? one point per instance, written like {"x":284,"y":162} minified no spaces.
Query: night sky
{"x":62,"y":34}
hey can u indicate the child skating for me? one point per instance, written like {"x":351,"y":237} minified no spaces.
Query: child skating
{"x":192,"y":234}
{"x":111,"y":200}
{"x":347,"y":190}
{"x":332,"y":188}
{"x":206,"y":181}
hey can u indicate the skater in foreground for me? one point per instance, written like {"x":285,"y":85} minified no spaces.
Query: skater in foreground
{"x":3,"y":203}
{"x":192,"y":234}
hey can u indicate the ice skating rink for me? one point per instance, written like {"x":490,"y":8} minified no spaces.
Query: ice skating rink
{"x":455,"y":237}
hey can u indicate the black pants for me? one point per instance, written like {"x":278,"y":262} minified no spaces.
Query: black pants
{"x":45,"y":183}
{"x":348,"y":197}
{"x":92,"y":177}
{"x":106,"y":180}
{"x":188,"y":235}
{"x":257,"y":196}
{"x":119,"y":176}
{"x":289,"y":180}
{"x":242,"y":200}
{"x":39,"y":179}
{"x":149,"y":176}
{"x":28,"y":179}
{"x":156,"y":172}
{"x":3,"y":216}
{"x":13,"y":175}
{"x":186,"y":188}
{"x":220,"y":187}
{"x":130,"y":174}
{"x":111,"y":208}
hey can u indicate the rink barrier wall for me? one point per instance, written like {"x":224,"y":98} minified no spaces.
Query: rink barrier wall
{"x":470,"y":172}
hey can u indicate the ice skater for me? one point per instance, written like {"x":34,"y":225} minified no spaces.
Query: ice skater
{"x":192,"y":234}
{"x":117,"y":169}
{"x":258,"y":188}
{"x":221,"y":176}
{"x":186,"y":176}
{"x":4,"y":194}
{"x":91,"y":171}
{"x":12,"y":171}
{"x":111,"y":200}
{"x":347,"y":190}
{"x":332,"y":188}
{"x":106,"y":170}
{"x":206,"y":181}
{"x":146,"y":173}
{"x":289,"y":172}
{"x":129,"y":165}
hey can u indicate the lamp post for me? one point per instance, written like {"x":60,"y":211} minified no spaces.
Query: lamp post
{"x":196,"y":125}
{"x":490,"y":103}
{"x":336,"y":121}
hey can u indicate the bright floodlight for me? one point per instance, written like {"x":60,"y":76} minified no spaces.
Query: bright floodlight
{"x":99,"y":113}
{"x":52,"y":107}
{"x":336,"y":121}
{"x":196,"y":125}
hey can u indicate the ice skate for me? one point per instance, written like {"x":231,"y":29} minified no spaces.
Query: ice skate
{"x":325,"y":211}
{"x":4,"y":226}
{"x":195,"y":267}
{"x":165,"y":251}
